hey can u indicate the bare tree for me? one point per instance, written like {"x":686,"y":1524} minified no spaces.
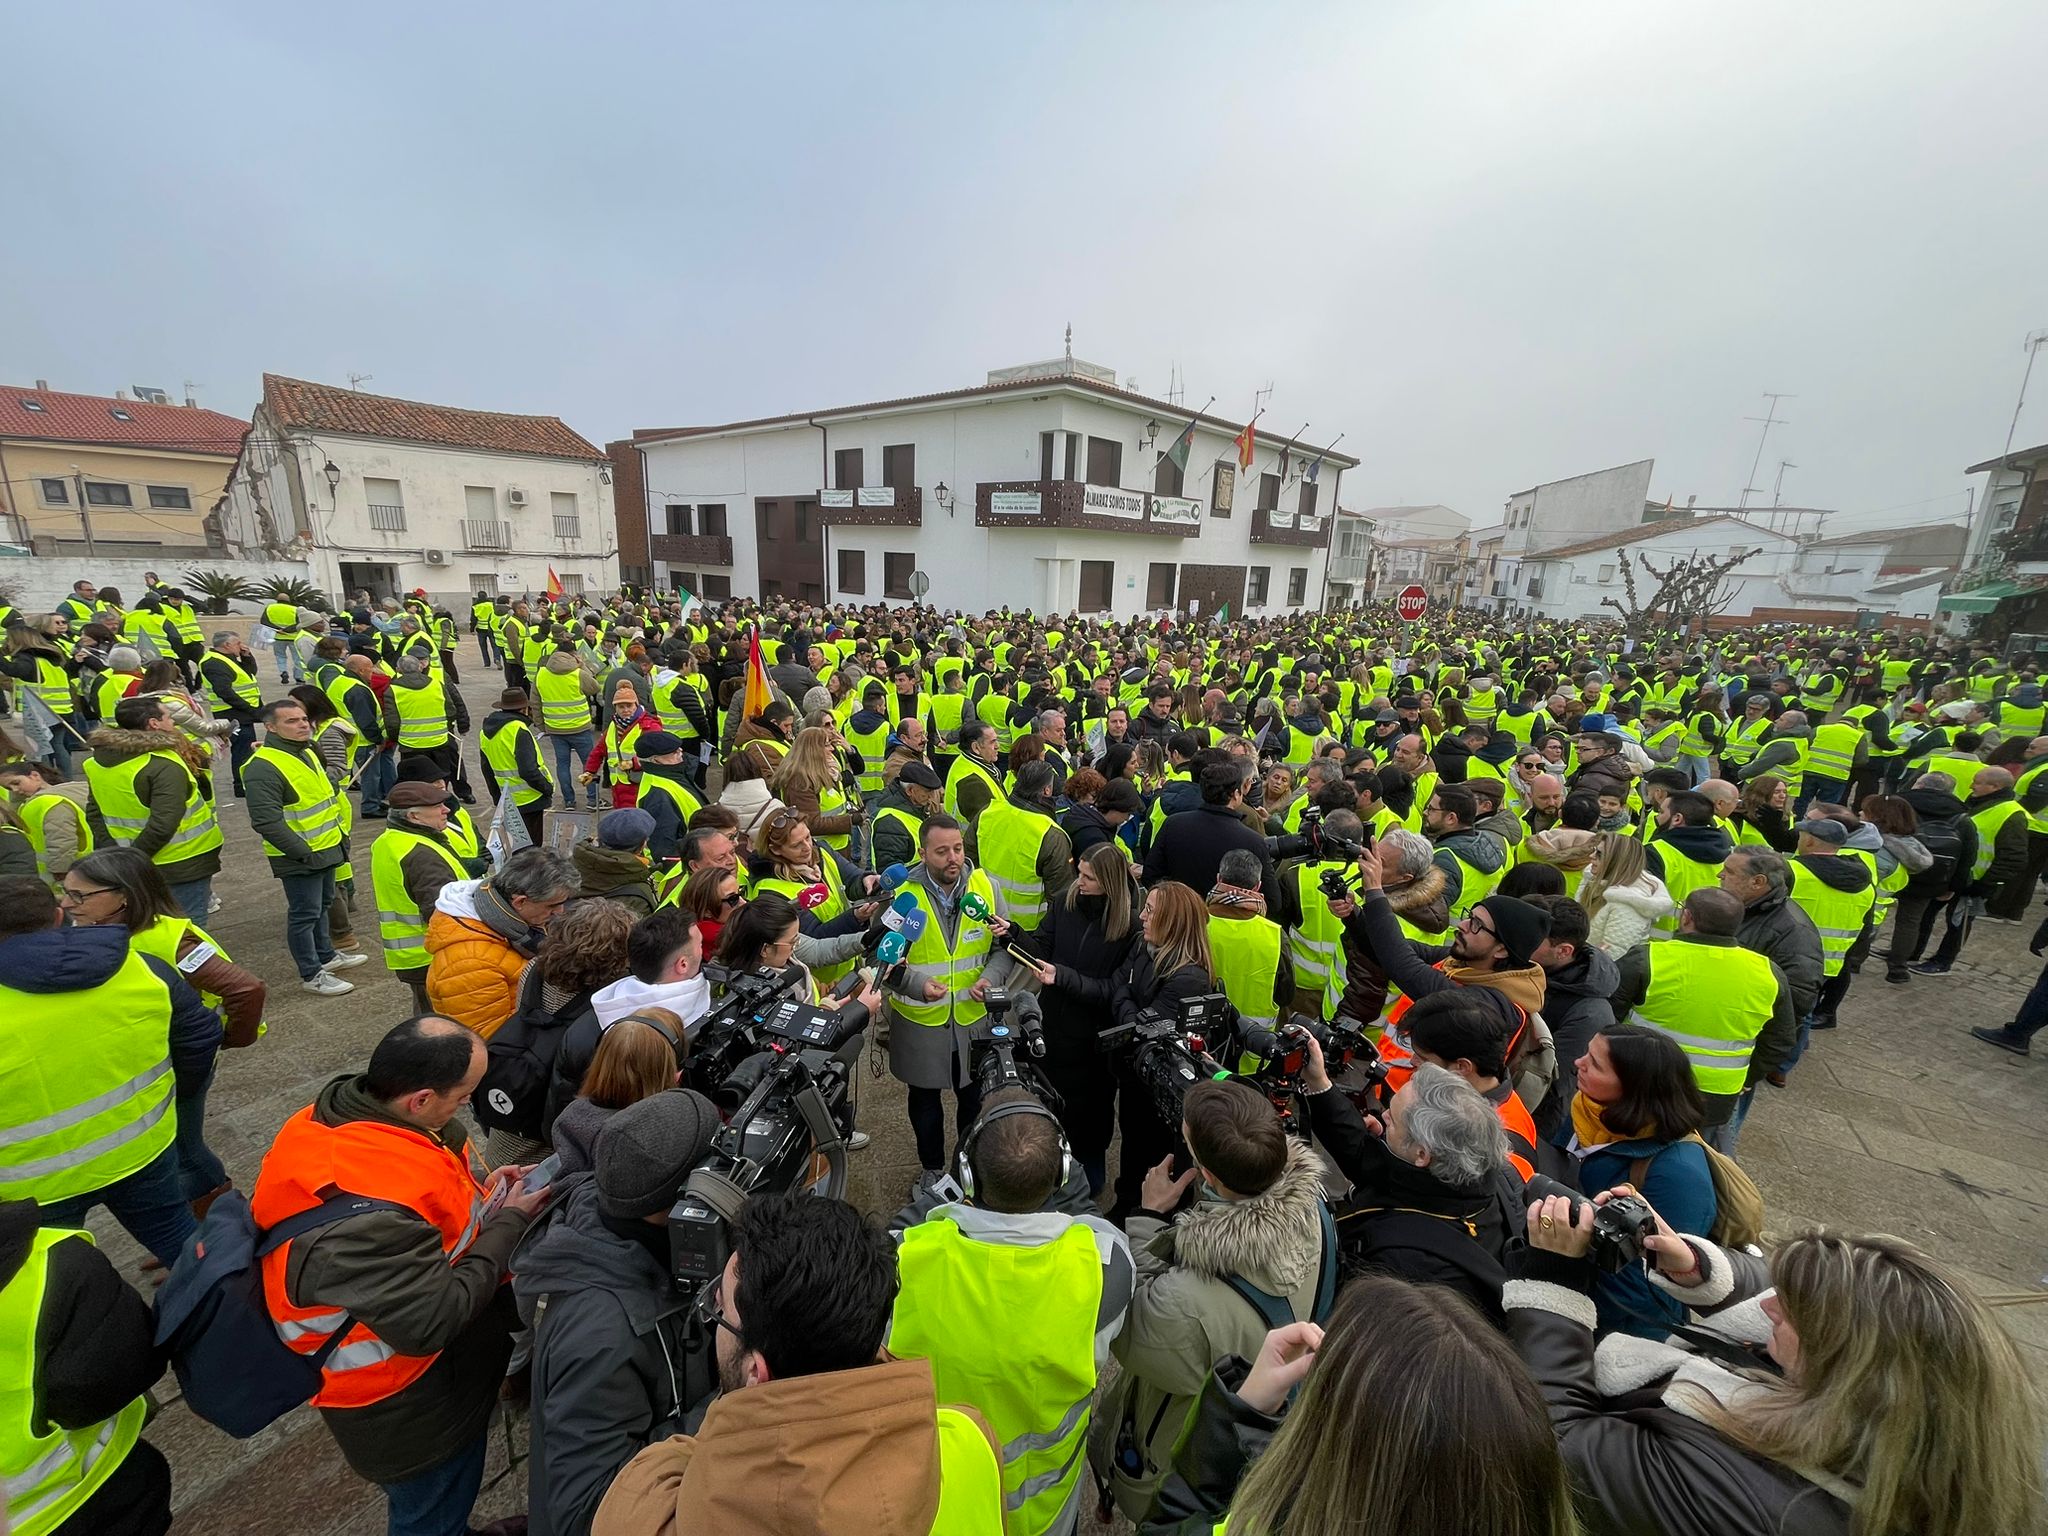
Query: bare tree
{"x":1688,"y":590}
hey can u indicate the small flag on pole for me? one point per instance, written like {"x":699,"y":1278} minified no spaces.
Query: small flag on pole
{"x":554,"y":586}
{"x":1223,"y":614}
{"x":687,"y":601}
{"x":759,"y":696}
{"x":1247,"y":444}
{"x":1183,"y":446}
{"x":1314,"y":468}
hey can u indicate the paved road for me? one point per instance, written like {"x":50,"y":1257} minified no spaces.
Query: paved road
{"x":1897,"y":1122}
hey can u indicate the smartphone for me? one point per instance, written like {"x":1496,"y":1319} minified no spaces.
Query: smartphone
{"x":1031,"y":961}
{"x":544,"y":1173}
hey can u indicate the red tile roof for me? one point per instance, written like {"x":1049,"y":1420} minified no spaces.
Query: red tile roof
{"x":90,"y":419}
{"x":296,"y":403}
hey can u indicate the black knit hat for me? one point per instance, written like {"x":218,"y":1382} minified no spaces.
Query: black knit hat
{"x":1521,"y":927}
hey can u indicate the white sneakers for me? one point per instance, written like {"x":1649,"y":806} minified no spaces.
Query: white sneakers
{"x":327,"y":984}
{"x":346,"y":960}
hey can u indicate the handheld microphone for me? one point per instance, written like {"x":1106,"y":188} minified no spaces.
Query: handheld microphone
{"x":975,"y":907}
{"x":813,"y":896}
{"x":893,"y":876}
{"x":892,"y":948}
{"x":914,"y":925}
{"x":897,"y":913}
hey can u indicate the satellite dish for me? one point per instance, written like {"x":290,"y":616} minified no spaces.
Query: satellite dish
{"x":919,"y":585}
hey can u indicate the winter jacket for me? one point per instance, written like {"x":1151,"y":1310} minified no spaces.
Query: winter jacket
{"x":224,"y":674}
{"x":1628,"y":914}
{"x":162,"y":788}
{"x":824,"y":1455}
{"x":1564,"y":848}
{"x":2009,"y":850}
{"x":269,"y":793}
{"x":1842,"y":872}
{"x":751,"y":801}
{"x":1425,"y":902}
{"x":95,"y":1353}
{"x":1577,"y":1005}
{"x":1190,"y":847}
{"x":1503,"y":824}
{"x":1377,"y":1223}
{"x":1679,"y":1186}
{"x":1938,"y":805}
{"x":1086,"y":828}
{"x":751,"y":760}
{"x":1225,"y":1435}
{"x":1776,"y":757}
{"x":526,"y":758}
{"x":476,"y":949}
{"x":1185,"y":1315}
{"x":892,"y":843}
{"x":806,"y":803}
{"x":389,"y":1269}
{"x":1610,"y":775}
{"x":1085,"y":960}
{"x":1775,"y":827}
{"x":1777,"y":929}
{"x":665,"y":842}
{"x":938,"y":1055}
{"x":617,"y":874}
{"x":1627,"y":1413}
{"x":1774,"y":1042}
{"x":458,"y":712}
{"x":1421,"y":969}
{"x":617,"y":1358}
{"x":193,"y":719}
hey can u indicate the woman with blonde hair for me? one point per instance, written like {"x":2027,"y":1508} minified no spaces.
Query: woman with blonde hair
{"x":1620,"y":894}
{"x":1359,"y":1451}
{"x":809,"y":781}
{"x":1171,"y":963}
{"x":1885,"y":1399}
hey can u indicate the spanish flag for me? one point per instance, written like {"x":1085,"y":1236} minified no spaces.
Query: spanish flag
{"x":758,"y":696}
{"x":554,"y":586}
{"x":1247,"y":444}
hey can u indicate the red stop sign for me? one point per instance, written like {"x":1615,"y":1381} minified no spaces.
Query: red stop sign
{"x":1411,"y":603}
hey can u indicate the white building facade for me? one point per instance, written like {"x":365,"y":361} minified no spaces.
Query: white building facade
{"x":1568,"y":582}
{"x":1049,"y":488}
{"x":394,"y":495}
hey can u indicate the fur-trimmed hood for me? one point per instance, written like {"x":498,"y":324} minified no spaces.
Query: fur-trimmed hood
{"x":1423,"y":900}
{"x":1273,"y":1240}
{"x":111,"y":745}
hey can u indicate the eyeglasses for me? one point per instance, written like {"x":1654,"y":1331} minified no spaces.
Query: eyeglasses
{"x":1472,"y":920}
{"x":711,"y":1309}
{"x":75,"y":898}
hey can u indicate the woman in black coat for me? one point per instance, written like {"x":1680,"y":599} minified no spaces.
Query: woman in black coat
{"x":1083,"y":942}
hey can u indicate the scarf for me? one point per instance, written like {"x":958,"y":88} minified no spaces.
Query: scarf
{"x":1587,"y":1126}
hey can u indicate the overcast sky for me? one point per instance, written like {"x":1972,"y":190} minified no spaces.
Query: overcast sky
{"x":1492,"y":245}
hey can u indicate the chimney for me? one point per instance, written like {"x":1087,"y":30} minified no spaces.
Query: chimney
{"x":120,"y":394}
{"x":43,"y":385}
{"x":191,"y":404}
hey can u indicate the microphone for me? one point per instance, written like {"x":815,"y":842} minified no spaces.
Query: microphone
{"x":894,"y":876}
{"x":892,"y":948}
{"x":975,"y":907}
{"x":913,"y":927}
{"x":898,"y":911}
{"x":813,"y":896}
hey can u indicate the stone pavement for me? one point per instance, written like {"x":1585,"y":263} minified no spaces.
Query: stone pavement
{"x":1897,"y":1122}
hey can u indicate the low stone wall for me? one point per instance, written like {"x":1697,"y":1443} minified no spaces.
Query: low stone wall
{"x":38,"y":585}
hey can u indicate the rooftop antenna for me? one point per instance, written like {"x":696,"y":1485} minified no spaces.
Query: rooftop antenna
{"x":1777,"y":489}
{"x":357,"y":380}
{"x":1261,"y":396}
{"x":1070,"y":341}
{"x":1769,"y":419}
{"x":191,"y":393}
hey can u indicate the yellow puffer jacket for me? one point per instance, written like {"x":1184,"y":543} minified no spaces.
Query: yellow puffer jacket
{"x":472,"y":972}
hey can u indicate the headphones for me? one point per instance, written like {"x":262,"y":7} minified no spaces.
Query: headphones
{"x":964,"y":1160}
{"x":674,"y":1042}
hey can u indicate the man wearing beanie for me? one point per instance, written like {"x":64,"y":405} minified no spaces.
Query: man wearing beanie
{"x":666,"y":794}
{"x":512,"y":765}
{"x":614,"y":865}
{"x":616,"y":1363}
{"x":1493,"y":945}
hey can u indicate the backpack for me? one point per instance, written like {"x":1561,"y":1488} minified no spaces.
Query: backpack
{"x":1738,"y":1203}
{"x":1943,"y":838}
{"x":1274,"y":1311}
{"x":513,"y":1093}
{"x":211,"y":1318}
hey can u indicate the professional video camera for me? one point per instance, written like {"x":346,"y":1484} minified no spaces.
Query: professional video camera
{"x":788,"y":1133}
{"x":1619,"y":1225}
{"x":1170,"y":1049}
{"x":1274,"y":1056}
{"x":1314,"y":842}
{"x":1007,"y":1054}
{"x":731,"y":1032}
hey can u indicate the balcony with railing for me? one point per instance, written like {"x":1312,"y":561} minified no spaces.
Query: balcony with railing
{"x":1020,"y":504}
{"x":1289,"y":531}
{"x":486,"y":533}
{"x":387,"y":517}
{"x":569,"y":525}
{"x":691,"y":549}
{"x":873,"y":506}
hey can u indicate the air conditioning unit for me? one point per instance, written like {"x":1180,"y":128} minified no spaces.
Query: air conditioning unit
{"x":515,"y":497}
{"x":437,"y":556}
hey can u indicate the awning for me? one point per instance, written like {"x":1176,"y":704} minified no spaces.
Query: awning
{"x":1981,"y":599}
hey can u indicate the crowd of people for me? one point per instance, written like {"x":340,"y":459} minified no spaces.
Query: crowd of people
{"x":1510,"y":924}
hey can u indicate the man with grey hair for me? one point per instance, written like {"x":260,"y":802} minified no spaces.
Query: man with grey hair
{"x":481,"y":928}
{"x":228,"y":678}
{"x":1051,"y":727}
{"x":1773,"y":925}
{"x":1429,"y":1196}
{"x":1419,"y":892}
{"x":431,"y":719}
{"x":1782,"y":752}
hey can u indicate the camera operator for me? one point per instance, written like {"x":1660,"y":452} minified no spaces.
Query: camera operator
{"x":1172,"y":964}
{"x":1492,"y":946}
{"x":1892,"y":1402}
{"x":964,"y":1261}
{"x":936,"y":994}
{"x":617,"y":1361}
{"x":1427,"y":1202}
{"x":1255,"y":1250}
{"x":815,"y":1428}
{"x":1246,"y":946}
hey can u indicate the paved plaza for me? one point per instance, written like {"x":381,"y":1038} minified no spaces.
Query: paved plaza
{"x":1897,"y":1122}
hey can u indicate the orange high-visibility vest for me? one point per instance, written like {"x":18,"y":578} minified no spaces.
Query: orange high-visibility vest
{"x":1514,"y":1115}
{"x":310,"y":1161}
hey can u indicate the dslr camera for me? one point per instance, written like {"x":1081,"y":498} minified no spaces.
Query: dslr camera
{"x":788,"y":1133}
{"x":1619,"y":1225}
{"x":1273,"y":1057}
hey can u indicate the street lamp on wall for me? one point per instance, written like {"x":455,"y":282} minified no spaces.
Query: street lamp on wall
{"x":332,"y":471}
{"x":1151,"y":433}
{"x":943,"y":497}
